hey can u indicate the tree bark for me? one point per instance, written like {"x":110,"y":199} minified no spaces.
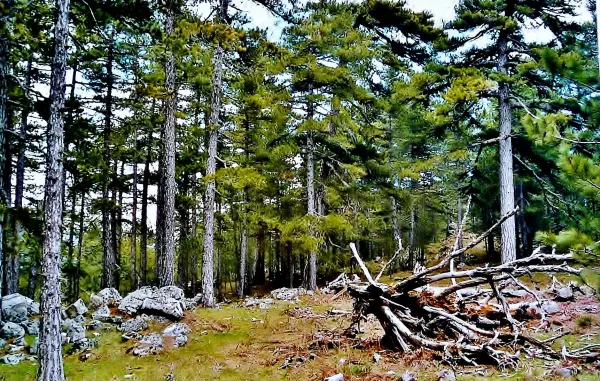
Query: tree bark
{"x":79,"y":246}
{"x":311,"y":280}
{"x":209,"y":198}
{"x":144,"y":222}
{"x":109,"y":260}
{"x":259,"y":276}
{"x":4,"y":62}
{"x":20,"y":174}
{"x":412,"y":236}
{"x":243,"y":255}
{"x":507,"y":191}
{"x":133,"y":276}
{"x":49,"y":351}
{"x":166,"y":262}
{"x":12,"y":269}
{"x":71,"y":242}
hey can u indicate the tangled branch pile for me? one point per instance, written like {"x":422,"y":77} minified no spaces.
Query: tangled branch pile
{"x":464,"y":322}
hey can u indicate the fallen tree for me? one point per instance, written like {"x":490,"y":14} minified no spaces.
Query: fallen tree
{"x":460,"y":321}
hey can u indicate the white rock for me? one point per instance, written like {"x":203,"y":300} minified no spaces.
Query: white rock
{"x":335,"y":377}
{"x":76,"y":309}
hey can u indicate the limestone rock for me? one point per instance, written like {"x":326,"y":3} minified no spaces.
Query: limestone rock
{"x":134,"y":325}
{"x":149,"y":344}
{"x":285,"y":293}
{"x":167,"y":307}
{"x":12,"y":359}
{"x":564,"y":294}
{"x":110,"y":297}
{"x":31,"y":327}
{"x":446,"y":375}
{"x":76,"y":309}
{"x":11,"y":330}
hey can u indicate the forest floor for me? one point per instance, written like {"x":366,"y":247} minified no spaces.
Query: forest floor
{"x":239,"y":343}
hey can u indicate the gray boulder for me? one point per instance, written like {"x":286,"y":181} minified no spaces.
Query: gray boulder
{"x":75,"y":331}
{"x":83,"y":345}
{"x":133,"y":301}
{"x":12,"y":359}
{"x":76,"y":309}
{"x":131,"y":336}
{"x":134,"y":325}
{"x":149,"y":344}
{"x":564,"y":294}
{"x":285,"y":293}
{"x":16,"y":307}
{"x":31,"y":327}
{"x":12,"y":330}
{"x":102,"y":312}
{"x":2,"y":343}
{"x":176,"y":329}
{"x":110,"y":297}
{"x":167,"y":307}
{"x":191,"y":303}
{"x":172,"y":292}
{"x":16,"y":313}
{"x":96,"y":302}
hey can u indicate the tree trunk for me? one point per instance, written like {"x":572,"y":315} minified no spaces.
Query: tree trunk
{"x":243,"y":255}
{"x":12,"y":269}
{"x":71,"y":242}
{"x":166,"y":263}
{"x":598,"y":28}
{"x":109,"y":260}
{"x":133,"y":276}
{"x":209,"y":198}
{"x":50,"y":341}
{"x":79,"y":246}
{"x":20,"y":175}
{"x":144,"y":227}
{"x":507,"y":191}
{"x":412,"y":237}
{"x":259,"y":276}
{"x":4,"y":62}
{"x":311,"y":281}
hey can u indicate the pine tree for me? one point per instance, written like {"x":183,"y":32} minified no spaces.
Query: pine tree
{"x":50,"y":341}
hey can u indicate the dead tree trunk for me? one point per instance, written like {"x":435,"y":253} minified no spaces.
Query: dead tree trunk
{"x":50,"y":341}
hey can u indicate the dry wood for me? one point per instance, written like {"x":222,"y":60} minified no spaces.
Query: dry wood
{"x":467,"y":335}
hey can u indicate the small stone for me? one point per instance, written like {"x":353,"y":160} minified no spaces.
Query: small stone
{"x":376,"y":357}
{"x":131,"y":335}
{"x":94,"y":325}
{"x":76,"y":309}
{"x":176,"y":329}
{"x":409,"y":376}
{"x":149,"y":344}
{"x":12,"y":359}
{"x":128,"y":376}
{"x":2,"y":343}
{"x":97,"y":334}
{"x":11,"y":330}
{"x":446,"y":375}
{"x":564,"y":294}
{"x":342,"y":361}
{"x":12,"y":348}
{"x":566,"y":372}
{"x":20,"y":342}
{"x":335,"y":377}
